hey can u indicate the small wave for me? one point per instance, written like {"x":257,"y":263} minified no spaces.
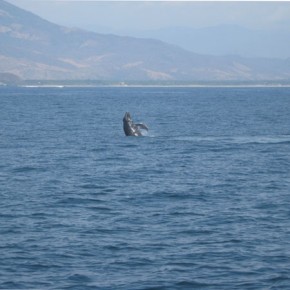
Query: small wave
{"x":91,"y":186}
{"x":281,"y":139}
{"x":261,"y":139}
{"x":191,"y":284}
{"x":79,"y":278}
{"x":23,"y":169}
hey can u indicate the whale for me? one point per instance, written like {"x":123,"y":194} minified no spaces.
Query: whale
{"x":132,"y":129}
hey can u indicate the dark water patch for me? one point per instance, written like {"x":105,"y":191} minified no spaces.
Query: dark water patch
{"x":100,"y":209}
{"x":81,"y":278}
{"x":78,"y":201}
{"x":191,"y":285}
{"x":26,"y":169}
{"x":13,"y":285}
{"x":92,"y":186}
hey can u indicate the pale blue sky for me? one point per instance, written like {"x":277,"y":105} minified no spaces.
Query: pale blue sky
{"x":114,"y":16}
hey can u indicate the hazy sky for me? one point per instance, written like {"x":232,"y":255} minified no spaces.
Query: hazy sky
{"x":114,"y":16}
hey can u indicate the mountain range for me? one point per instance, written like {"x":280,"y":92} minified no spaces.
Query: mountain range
{"x":223,"y":39}
{"x":34,"y":48}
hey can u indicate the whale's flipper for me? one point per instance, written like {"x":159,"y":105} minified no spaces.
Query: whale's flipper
{"x":142,"y":126}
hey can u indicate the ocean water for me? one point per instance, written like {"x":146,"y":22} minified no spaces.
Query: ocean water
{"x":201,"y":202}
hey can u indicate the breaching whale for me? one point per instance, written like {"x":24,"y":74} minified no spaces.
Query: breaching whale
{"x":130,"y":128}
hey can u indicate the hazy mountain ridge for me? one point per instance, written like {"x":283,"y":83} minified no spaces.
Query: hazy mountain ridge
{"x":33,"y":48}
{"x":225,"y":40}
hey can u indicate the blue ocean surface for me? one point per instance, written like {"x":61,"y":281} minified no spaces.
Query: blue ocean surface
{"x":201,"y":202}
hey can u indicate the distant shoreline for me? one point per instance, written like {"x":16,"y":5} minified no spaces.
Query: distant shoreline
{"x":147,"y":84}
{"x":158,"y":86}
